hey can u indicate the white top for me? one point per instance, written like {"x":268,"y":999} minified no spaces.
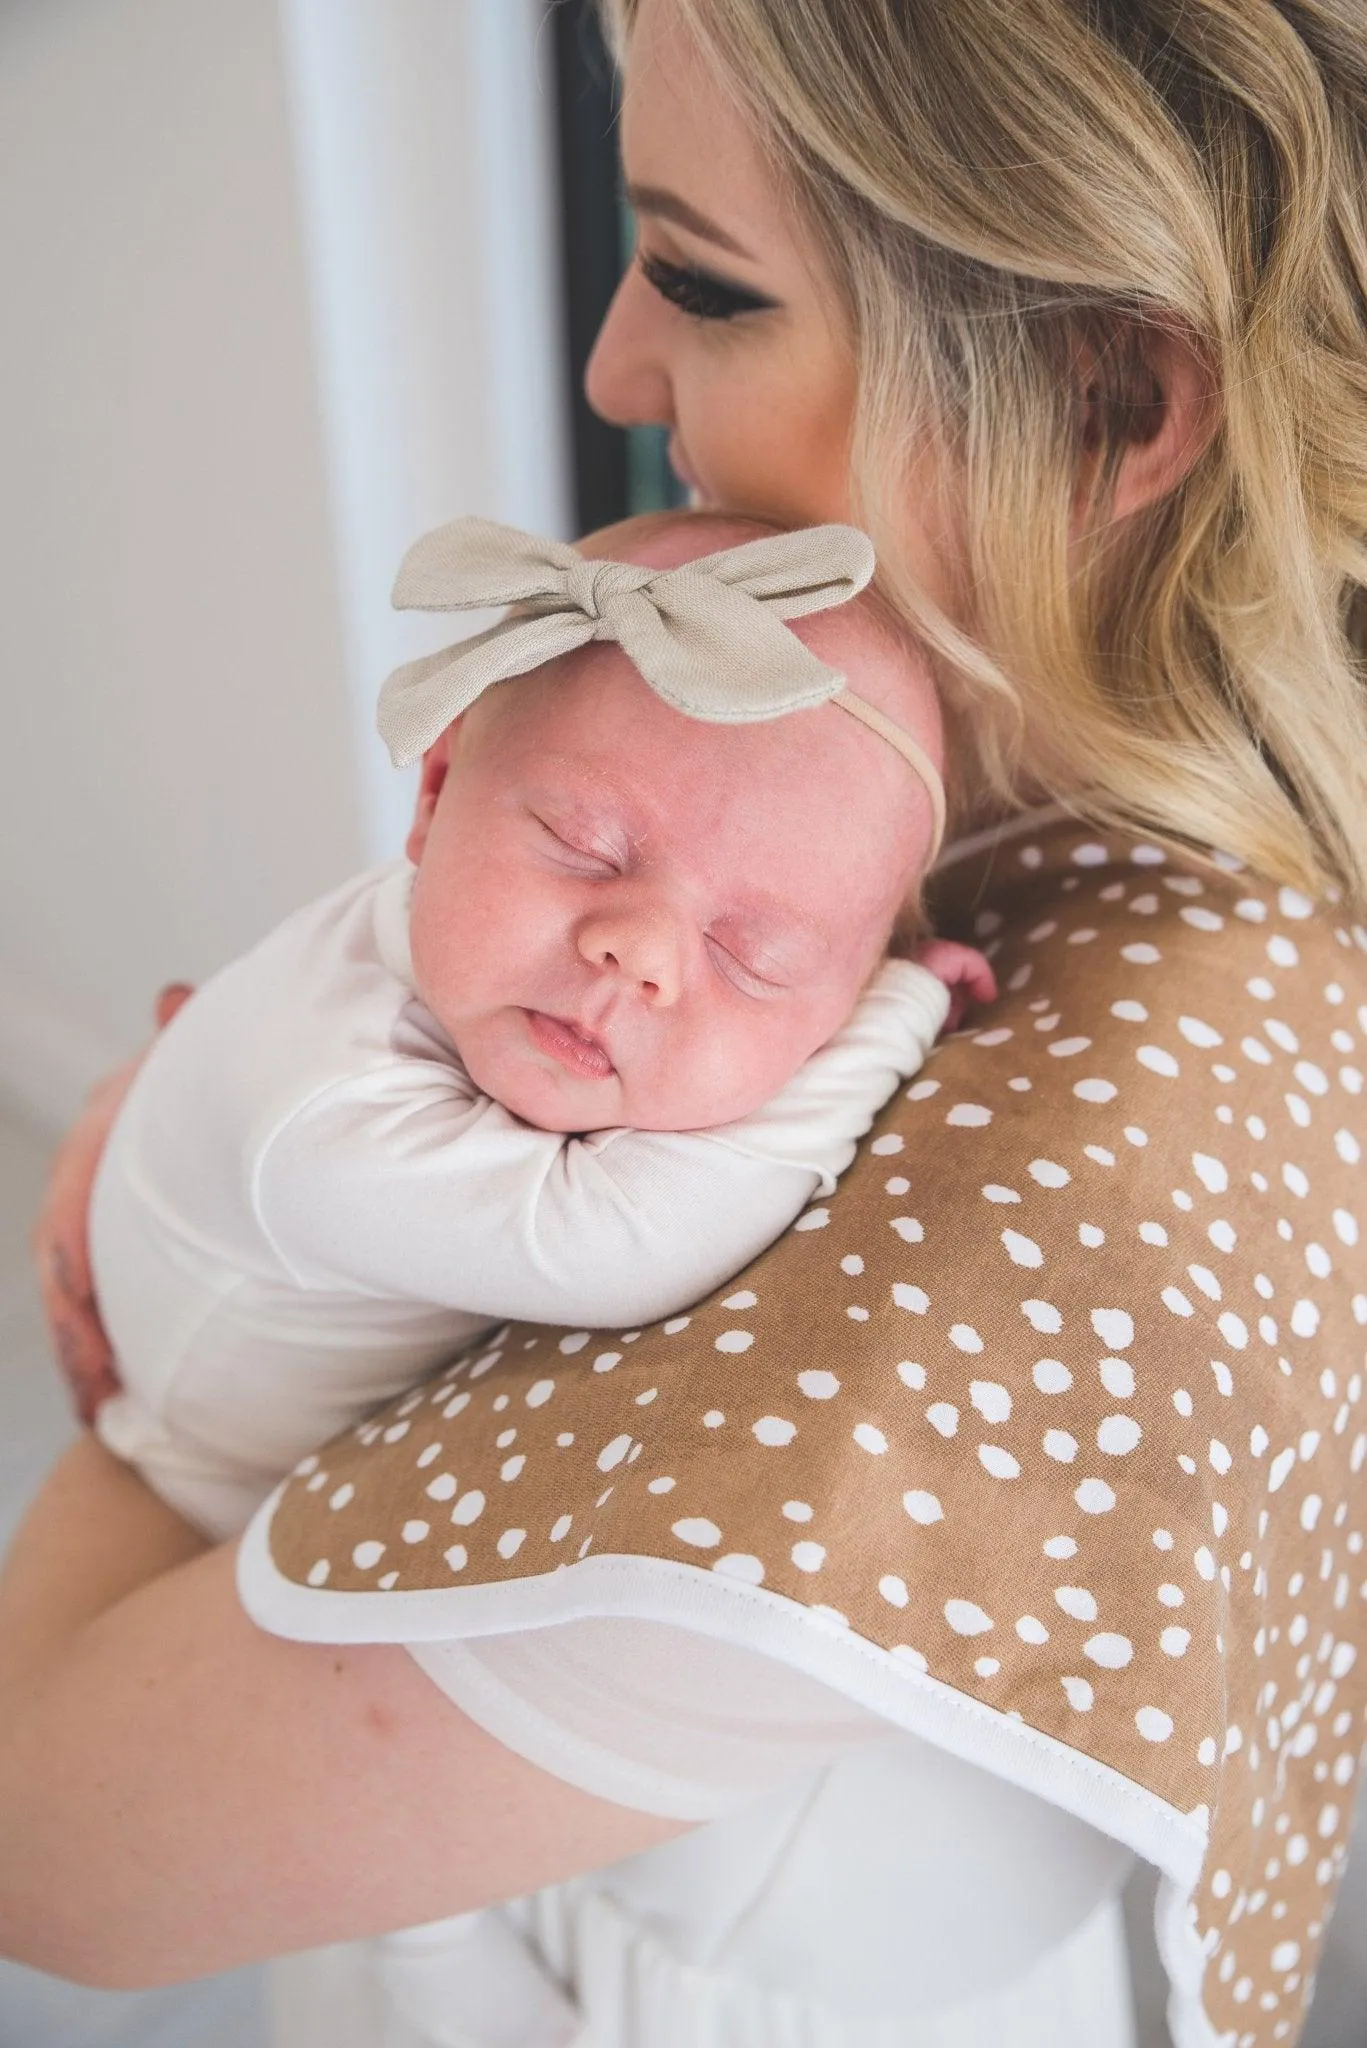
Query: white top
{"x":307,"y":1203}
{"x":951,"y":1882}
{"x":858,"y":1887}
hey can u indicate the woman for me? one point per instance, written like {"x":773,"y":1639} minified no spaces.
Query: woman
{"x":1066,"y":306}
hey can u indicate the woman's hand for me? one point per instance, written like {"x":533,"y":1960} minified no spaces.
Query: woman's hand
{"x":60,"y":1245}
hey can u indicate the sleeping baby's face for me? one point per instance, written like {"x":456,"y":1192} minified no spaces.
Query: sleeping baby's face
{"x":624,"y":916}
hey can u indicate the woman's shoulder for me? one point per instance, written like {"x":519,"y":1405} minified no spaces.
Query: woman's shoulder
{"x":1057,"y":1401}
{"x":1150,"y":1149}
{"x":1111,"y":940}
{"x":1056,"y":894}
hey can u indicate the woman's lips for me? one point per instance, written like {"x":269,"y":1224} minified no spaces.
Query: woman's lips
{"x":574,"y":1049}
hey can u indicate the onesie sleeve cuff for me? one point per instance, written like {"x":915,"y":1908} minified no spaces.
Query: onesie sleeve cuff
{"x":917,"y":995}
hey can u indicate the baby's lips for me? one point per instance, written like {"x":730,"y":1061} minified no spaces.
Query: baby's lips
{"x":578,"y":1051}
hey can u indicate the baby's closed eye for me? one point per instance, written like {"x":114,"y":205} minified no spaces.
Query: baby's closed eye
{"x":751,"y":970}
{"x":578,"y":847}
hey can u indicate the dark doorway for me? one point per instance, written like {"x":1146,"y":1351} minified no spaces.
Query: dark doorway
{"x":615,"y":472}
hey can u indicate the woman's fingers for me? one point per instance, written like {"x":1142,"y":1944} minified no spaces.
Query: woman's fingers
{"x":78,"y":1338}
{"x":60,"y":1249}
{"x":173,"y":997}
{"x":83,"y":1356}
{"x":60,"y":1235}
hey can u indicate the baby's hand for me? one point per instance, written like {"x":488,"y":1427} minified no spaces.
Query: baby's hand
{"x":964,"y":972}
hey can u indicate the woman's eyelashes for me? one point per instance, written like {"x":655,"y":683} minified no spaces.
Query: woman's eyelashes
{"x":698,"y":293}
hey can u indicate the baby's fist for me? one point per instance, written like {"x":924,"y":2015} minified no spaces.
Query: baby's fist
{"x":965,"y":973}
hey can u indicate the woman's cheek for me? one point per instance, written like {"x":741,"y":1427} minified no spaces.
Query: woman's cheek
{"x":717,"y":411}
{"x":754,"y":459}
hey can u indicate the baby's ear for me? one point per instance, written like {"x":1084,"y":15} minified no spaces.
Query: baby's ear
{"x":435,"y":763}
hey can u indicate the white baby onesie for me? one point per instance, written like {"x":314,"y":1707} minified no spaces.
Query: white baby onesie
{"x":306,"y":1203}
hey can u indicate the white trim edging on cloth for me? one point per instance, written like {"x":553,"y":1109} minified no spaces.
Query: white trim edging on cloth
{"x":751,"y":1617}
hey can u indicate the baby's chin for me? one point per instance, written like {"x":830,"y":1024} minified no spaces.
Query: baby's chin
{"x":530,"y":1085}
{"x":545,"y":1099}
{"x":558,"y":1102}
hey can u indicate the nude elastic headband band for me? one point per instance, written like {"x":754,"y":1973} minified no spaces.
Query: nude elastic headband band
{"x":707,"y":637}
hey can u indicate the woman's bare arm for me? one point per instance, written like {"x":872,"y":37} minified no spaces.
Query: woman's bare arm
{"x":180,"y":1793}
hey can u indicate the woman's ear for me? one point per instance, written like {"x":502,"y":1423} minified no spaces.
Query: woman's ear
{"x":435,"y":763}
{"x":1149,"y":442}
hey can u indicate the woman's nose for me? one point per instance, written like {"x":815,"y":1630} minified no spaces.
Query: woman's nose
{"x":627,"y":378}
{"x":644,"y":947}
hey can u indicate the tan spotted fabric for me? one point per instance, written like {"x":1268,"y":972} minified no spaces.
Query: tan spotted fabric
{"x":1058,"y":1400}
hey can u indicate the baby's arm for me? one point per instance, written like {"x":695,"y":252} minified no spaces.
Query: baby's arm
{"x":816,"y":1121}
{"x":617,"y":1228}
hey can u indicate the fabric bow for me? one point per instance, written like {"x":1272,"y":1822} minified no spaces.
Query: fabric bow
{"x":708,"y":637}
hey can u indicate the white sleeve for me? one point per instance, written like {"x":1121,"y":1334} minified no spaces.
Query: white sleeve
{"x":414,"y":1196}
{"x":649,"y":1714}
{"x":830,"y":1102}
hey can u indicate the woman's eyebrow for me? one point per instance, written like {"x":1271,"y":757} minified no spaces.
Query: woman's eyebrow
{"x":667,"y":205}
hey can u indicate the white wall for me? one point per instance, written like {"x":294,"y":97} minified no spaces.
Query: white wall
{"x":277,"y":291}
{"x":425,"y":132}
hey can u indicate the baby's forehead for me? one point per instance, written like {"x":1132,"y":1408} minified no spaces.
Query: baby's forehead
{"x":666,"y":540}
{"x":587,"y":730}
{"x":862,"y":638}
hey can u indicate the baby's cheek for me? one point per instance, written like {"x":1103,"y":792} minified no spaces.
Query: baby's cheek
{"x":465,"y":938}
{"x":743,"y":1062}
{"x":769,"y":1045}
{"x":430,"y":942}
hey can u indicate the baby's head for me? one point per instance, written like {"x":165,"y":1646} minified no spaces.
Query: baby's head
{"x":625,"y":915}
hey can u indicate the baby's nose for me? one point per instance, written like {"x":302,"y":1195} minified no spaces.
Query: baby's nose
{"x":643,"y":946}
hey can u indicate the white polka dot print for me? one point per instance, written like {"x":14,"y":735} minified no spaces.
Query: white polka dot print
{"x":1059,"y":1398}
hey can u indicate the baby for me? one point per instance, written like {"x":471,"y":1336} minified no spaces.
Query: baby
{"x":592,"y":1047}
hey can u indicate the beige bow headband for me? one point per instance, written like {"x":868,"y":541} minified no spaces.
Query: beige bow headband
{"x":707,"y":637}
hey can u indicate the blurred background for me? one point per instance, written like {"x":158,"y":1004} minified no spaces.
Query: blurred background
{"x":285,"y":283}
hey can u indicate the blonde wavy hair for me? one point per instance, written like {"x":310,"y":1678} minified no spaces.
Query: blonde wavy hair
{"x":1007,"y":190}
